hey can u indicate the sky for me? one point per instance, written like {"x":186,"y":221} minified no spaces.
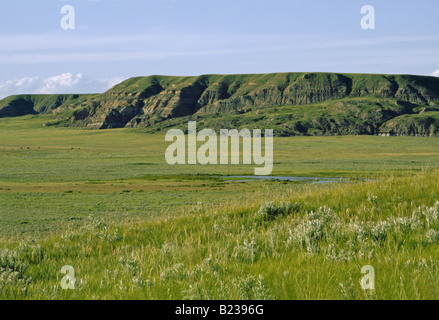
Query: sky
{"x":113,"y":40}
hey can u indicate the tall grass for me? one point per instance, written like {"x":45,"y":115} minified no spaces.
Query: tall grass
{"x":307,"y":244}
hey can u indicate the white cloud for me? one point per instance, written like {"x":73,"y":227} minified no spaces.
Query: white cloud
{"x":26,"y":82}
{"x":435,"y":74}
{"x":63,"y":83}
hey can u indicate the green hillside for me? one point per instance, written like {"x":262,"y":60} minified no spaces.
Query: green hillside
{"x":290,"y":103}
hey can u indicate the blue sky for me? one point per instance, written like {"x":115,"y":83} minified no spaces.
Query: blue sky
{"x":117,"y":39}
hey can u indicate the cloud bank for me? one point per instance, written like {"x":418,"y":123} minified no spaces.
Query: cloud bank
{"x":63,"y":83}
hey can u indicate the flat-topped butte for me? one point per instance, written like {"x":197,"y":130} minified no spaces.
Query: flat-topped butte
{"x":290,"y":103}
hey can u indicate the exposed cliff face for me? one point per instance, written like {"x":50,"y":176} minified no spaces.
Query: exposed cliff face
{"x":147,"y":101}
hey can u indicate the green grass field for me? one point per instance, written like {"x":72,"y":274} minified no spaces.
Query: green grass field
{"x":133,"y":227}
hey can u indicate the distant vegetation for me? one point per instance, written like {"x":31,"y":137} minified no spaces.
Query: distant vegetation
{"x":290,"y":103}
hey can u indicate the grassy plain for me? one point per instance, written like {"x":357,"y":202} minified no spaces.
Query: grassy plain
{"x":132,"y":226}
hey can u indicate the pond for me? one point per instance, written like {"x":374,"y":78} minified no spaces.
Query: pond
{"x":284,"y":178}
